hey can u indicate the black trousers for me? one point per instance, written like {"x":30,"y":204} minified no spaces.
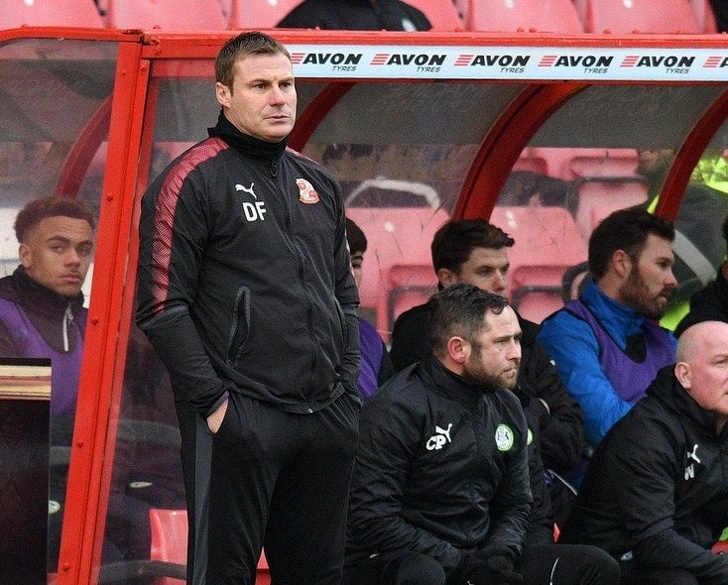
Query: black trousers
{"x":633,"y":574}
{"x":274,"y":479}
{"x":559,"y":564}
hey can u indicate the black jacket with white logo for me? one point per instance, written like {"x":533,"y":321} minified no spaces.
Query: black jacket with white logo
{"x":244,"y":276}
{"x":441,"y":468}
{"x":658,"y":486}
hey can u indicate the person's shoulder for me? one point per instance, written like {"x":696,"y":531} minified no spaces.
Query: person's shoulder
{"x":308,"y":165}
{"x":529,"y":330}
{"x":563,"y":317}
{"x":402,"y":391}
{"x":184,"y":164}
{"x":413,"y":315}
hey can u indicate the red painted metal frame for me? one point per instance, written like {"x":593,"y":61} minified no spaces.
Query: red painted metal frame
{"x":504,"y":143}
{"x":103,"y":368}
{"x":688,"y":155}
{"x":130,"y":134}
{"x":83,"y":151}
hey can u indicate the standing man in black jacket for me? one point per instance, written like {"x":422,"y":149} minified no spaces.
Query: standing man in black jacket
{"x":655,"y":494}
{"x":246,"y":292}
{"x":441,"y":492}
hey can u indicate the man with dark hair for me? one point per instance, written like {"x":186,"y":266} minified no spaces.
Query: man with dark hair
{"x":711,"y":302}
{"x":607,"y":345}
{"x":655,"y":495}
{"x":440,"y":492}
{"x":246,"y":293}
{"x":356,"y":15}
{"x":41,"y":303}
{"x":42,"y":316}
{"x":476,"y":251}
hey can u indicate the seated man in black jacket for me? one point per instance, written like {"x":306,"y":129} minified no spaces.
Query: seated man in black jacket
{"x":655,"y":494}
{"x":440,"y":491}
{"x":475,"y":251}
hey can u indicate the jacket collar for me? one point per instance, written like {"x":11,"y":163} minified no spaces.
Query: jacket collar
{"x":449,"y":384}
{"x":666,"y":389}
{"x":245,"y":144}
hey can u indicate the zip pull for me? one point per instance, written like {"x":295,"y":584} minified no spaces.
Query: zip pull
{"x":67,"y":323}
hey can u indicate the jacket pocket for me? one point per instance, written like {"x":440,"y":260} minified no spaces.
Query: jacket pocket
{"x":239,"y":325}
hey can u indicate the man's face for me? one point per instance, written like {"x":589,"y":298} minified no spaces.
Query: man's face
{"x":651,"y":281}
{"x":707,"y":372}
{"x":57,"y":253}
{"x":262,"y":101}
{"x":486,"y":268}
{"x":654,"y":163}
{"x":493,"y":360}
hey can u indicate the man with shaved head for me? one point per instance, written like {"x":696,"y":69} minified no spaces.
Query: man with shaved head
{"x":656,"y":495}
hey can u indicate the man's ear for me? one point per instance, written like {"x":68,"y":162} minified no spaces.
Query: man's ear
{"x":223,"y":94}
{"x":458,"y":349}
{"x":446,"y":277}
{"x":683,"y":374}
{"x":26,"y":255}
{"x":622,"y":263}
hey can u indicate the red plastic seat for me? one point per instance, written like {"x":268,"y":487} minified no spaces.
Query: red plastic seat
{"x":644,"y":16}
{"x":165,"y":14}
{"x":408,"y":285}
{"x":169,"y":544}
{"x":557,"y":16}
{"x":398,"y":256}
{"x":601,"y":162}
{"x":259,"y":13}
{"x":442,"y":14}
{"x":606,"y":181}
{"x":547,"y":242}
{"x":600,"y":198}
{"x":79,"y":13}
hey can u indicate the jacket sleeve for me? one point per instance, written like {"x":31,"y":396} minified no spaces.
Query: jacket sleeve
{"x":173,"y":234}
{"x":388,"y":441}
{"x":348,"y":297}
{"x":512,"y":503}
{"x":572,"y":345}
{"x":562,"y":423}
{"x":541,"y":522}
{"x":647,"y":505}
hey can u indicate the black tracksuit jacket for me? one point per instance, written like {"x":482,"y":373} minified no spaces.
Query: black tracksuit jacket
{"x":658,"y":486}
{"x":441,"y":468}
{"x":245,"y":282}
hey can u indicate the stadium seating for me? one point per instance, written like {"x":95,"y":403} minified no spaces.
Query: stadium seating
{"x":605,"y":181}
{"x":442,"y":14}
{"x":645,"y":16}
{"x":705,"y":16}
{"x":165,"y":14}
{"x":557,"y":16}
{"x":259,"y":13}
{"x":397,"y":270}
{"x":17,"y":13}
{"x":547,"y":243}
